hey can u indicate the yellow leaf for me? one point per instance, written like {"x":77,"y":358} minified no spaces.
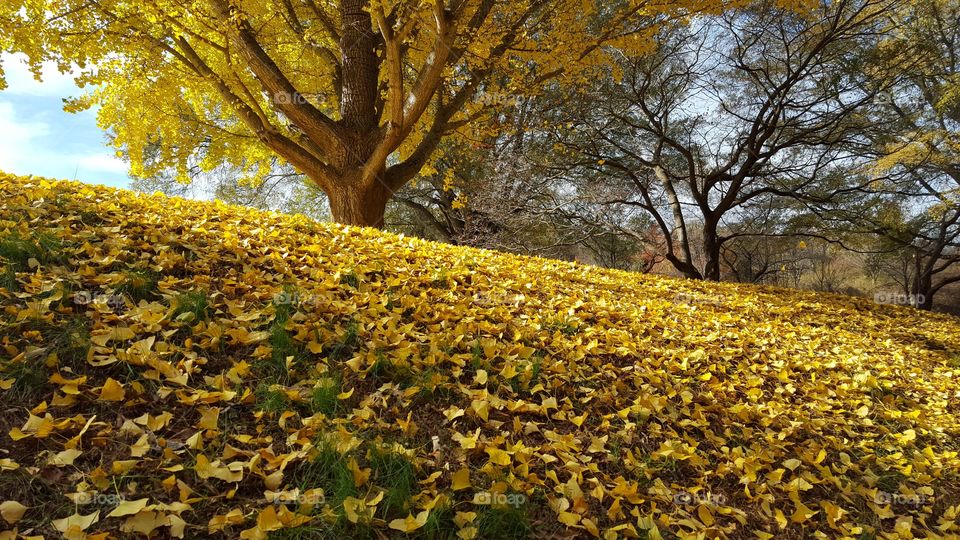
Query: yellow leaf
{"x":209,"y":417}
{"x":351,"y":508}
{"x":230,"y":473}
{"x":775,"y":476}
{"x":781,"y":519}
{"x":461,"y":479}
{"x":12,"y":511}
{"x":268,"y":520}
{"x":591,"y":527}
{"x":453,"y":413}
{"x":834,"y":513}
{"x":274,"y":480}
{"x":128,"y":508}
{"x":360,"y":476}
{"x":141,"y":446}
{"x":145,"y":522}
{"x":410,"y":523}
{"x":112,"y":391}
{"x":597,"y":444}
{"x":499,"y":457}
{"x":460,"y":519}
{"x":468,"y":533}
{"x":73,"y":526}
{"x":65,"y":458}
{"x":467,"y":442}
{"x":705,"y":516}
{"x":221,"y":521}
{"x":802,"y":513}
{"x":481,"y":408}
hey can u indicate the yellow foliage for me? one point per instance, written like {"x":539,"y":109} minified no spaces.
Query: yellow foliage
{"x":761,"y":413}
{"x":179,"y":86}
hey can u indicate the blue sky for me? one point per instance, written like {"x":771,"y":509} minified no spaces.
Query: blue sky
{"x":38,"y":137}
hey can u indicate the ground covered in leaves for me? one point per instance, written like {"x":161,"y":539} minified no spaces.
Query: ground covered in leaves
{"x":188,"y":369}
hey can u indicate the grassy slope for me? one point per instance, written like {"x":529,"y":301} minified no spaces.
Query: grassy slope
{"x":247,"y":352}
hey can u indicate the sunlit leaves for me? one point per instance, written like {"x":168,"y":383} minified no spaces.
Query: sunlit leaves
{"x":439,"y":384}
{"x":178,"y":93}
{"x":12,"y":511}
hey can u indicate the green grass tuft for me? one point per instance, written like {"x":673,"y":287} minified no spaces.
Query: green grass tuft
{"x":506,"y":522}
{"x":396,"y":474}
{"x":17,"y":250}
{"x":285,"y":304}
{"x":139,"y":285}
{"x":323,"y":398}
{"x":282,"y":346}
{"x":271,"y":400}
{"x":344,"y":349}
{"x":68,"y":341}
{"x":192,"y":306}
{"x":303,"y":532}
{"x":350,"y":279}
{"x":439,"y":525}
{"x":890,"y":481}
{"x":8,"y":278}
{"x":330,"y":472}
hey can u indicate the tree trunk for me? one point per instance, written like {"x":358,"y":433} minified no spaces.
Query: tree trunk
{"x":922,"y":295}
{"x":711,"y":251}
{"x":920,"y":292}
{"x":354,"y":204}
{"x":686,"y":269}
{"x":354,"y":201}
{"x":361,"y":68}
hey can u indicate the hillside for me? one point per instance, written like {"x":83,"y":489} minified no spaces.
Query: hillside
{"x":195,"y":369}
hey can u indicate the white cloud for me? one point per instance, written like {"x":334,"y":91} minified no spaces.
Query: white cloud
{"x":101,"y":163}
{"x":38,"y":137}
{"x":19,"y":139}
{"x":20,"y":81}
{"x":27,"y":146}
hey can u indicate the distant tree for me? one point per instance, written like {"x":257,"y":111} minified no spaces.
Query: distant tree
{"x":283,"y":190}
{"x":726,"y":114}
{"x":488,"y":195}
{"x":912,"y":202}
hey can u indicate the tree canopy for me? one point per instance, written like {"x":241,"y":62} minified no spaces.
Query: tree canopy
{"x":355,"y":94}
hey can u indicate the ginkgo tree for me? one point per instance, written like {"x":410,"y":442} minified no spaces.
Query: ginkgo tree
{"x":920,"y":151}
{"x":354,"y":94}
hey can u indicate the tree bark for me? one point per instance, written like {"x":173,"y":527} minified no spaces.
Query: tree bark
{"x":355,"y":203}
{"x":922,"y":295}
{"x":361,"y":67}
{"x":711,"y":251}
